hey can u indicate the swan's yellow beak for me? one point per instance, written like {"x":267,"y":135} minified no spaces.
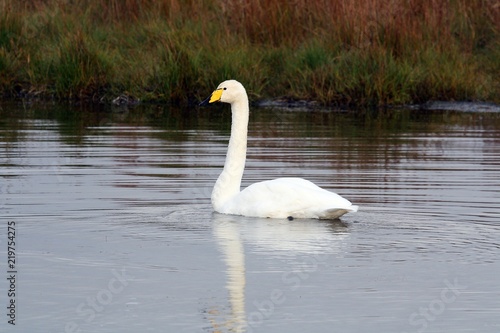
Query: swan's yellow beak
{"x":215,"y":97}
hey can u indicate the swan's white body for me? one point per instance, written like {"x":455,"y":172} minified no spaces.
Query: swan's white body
{"x":278,"y":198}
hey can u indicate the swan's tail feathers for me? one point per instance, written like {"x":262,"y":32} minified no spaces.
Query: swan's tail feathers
{"x":335,"y":213}
{"x":354,"y":208}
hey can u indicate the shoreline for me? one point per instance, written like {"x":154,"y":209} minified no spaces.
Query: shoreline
{"x":345,"y":54}
{"x":283,"y":103}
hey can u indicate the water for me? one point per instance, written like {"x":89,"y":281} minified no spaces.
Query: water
{"x":115,"y":232}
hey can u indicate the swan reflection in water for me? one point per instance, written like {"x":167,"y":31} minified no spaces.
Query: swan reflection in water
{"x":313,"y":239}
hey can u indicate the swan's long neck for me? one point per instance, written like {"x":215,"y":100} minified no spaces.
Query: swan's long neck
{"x":229,"y":182}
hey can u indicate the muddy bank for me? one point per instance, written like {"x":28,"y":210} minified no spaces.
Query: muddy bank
{"x":464,"y":106}
{"x":283,"y":103}
{"x":459,"y":106}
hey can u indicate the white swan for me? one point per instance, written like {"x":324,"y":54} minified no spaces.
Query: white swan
{"x":278,"y":198}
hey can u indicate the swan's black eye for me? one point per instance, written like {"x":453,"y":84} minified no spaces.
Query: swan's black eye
{"x":225,"y":88}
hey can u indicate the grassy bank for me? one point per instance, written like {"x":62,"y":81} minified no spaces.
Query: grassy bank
{"x":343,"y":52}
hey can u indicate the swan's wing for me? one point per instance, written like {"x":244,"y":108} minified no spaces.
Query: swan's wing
{"x":285,"y":197}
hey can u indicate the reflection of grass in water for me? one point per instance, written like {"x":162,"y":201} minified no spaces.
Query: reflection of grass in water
{"x":337,"y":52}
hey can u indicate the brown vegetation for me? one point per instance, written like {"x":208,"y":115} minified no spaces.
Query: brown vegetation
{"x":336,"y":52}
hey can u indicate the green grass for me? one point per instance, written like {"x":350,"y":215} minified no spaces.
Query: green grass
{"x":341,"y":52}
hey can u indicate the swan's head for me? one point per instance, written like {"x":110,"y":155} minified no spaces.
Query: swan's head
{"x":230,"y":91}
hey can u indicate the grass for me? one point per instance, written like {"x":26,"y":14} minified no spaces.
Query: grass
{"x":340,"y":52}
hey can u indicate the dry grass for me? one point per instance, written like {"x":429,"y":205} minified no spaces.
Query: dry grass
{"x":336,"y":52}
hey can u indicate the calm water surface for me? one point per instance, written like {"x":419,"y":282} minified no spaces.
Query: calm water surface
{"x":115,"y":232}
